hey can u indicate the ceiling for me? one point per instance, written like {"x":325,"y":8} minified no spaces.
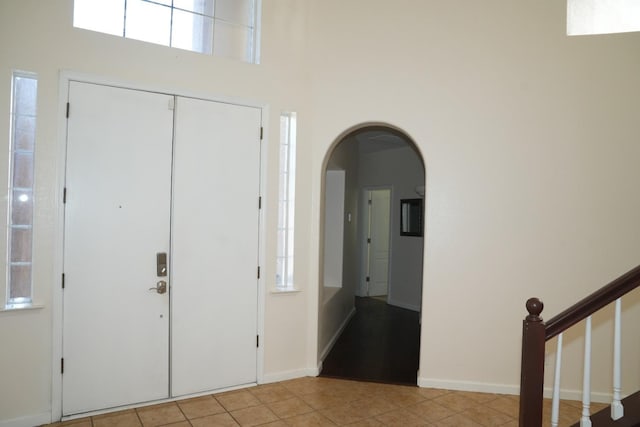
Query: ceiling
{"x":373,"y":141}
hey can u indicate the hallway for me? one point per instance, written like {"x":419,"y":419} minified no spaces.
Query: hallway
{"x":381,"y":343}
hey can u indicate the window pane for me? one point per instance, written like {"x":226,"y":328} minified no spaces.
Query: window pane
{"x":280,"y":273}
{"x":235,"y":11}
{"x":21,"y":208}
{"x":204,"y":7}
{"x":232,"y":41}
{"x":24,"y":132}
{"x":24,"y":100}
{"x":22,"y":170}
{"x":105,"y":16}
{"x":20,"y":278}
{"x":148,"y":22}
{"x":192,"y":32}
{"x":20,"y":245}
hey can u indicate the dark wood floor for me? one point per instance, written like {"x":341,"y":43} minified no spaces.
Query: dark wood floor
{"x":381,"y":343}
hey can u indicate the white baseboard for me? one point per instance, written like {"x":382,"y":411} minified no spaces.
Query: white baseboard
{"x":289,"y":375}
{"x":336,"y":335}
{"x":565,"y":394}
{"x":395,"y":303}
{"x":28,"y":421}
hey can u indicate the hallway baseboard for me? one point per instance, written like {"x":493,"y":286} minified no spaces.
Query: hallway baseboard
{"x":335,"y":337}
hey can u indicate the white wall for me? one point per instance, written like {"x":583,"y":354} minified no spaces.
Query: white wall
{"x":530,"y":146}
{"x":402,"y":168}
{"x":38,"y":36}
{"x":337,"y":305}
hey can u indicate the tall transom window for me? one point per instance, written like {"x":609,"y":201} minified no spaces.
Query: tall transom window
{"x":225,"y":28}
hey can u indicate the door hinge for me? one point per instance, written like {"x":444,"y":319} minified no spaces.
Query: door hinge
{"x":261,"y":133}
{"x":370,"y":202}
{"x":62,"y":365}
{"x":258,"y":272}
{"x":68,"y":105}
{"x":368,"y":279}
{"x":260,"y":202}
{"x":368,"y":240}
{"x":64,"y":195}
{"x":257,"y":341}
{"x":62,"y":280}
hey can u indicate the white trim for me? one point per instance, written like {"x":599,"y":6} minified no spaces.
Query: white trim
{"x":276,"y":291}
{"x":335,"y":337}
{"x":512,"y":389}
{"x":58,"y":254}
{"x":28,"y":421}
{"x":290,"y":375}
{"x":19,"y":309}
{"x":412,"y":307}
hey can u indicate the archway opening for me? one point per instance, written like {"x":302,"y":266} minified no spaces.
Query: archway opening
{"x":371,"y":256}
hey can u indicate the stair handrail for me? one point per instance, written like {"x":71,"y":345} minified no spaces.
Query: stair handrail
{"x":535,"y":334}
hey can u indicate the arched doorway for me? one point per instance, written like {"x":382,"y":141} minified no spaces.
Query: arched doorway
{"x":371,"y":256}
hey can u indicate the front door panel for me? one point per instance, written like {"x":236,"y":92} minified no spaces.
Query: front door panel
{"x":117,"y":217}
{"x":215,"y":245}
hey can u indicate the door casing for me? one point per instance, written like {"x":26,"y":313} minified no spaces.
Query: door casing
{"x":57,"y":298}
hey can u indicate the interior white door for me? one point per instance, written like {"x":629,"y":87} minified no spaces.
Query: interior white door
{"x":379,"y":219}
{"x":117,"y":217}
{"x":215,"y":245}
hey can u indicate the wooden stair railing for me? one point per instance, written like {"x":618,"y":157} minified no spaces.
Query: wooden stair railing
{"x":535,"y":334}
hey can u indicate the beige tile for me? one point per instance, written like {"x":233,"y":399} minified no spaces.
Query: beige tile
{"x":372,"y":407}
{"x":306,"y":385}
{"x":343,"y":414}
{"x":430,"y":411}
{"x":403,"y":398}
{"x":401,"y":417}
{"x":237,"y":400}
{"x":290,"y":407}
{"x":432,"y":393}
{"x":126,"y":419}
{"x":457,"y":420}
{"x":254,"y":416}
{"x":218,"y":420}
{"x":506,"y":404}
{"x":180,"y":424}
{"x":368,"y":422}
{"x":278,"y":423}
{"x":457,"y":402}
{"x":487,"y":416}
{"x":312,"y":419}
{"x":270,"y":393}
{"x":157,"y":415}
{"x":200,"y":407}
{"x":322,"y":400}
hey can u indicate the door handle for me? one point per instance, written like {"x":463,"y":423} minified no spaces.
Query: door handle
{"x":161,"y":287}
{"x":161,"y":264}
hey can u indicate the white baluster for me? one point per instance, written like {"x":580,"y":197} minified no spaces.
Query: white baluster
{"x":585,"y":420}
{"x":555,"y":399}
{"x":617,"y":410}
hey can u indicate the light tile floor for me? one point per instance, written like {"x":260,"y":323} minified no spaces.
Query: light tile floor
{"x":328,"y":402}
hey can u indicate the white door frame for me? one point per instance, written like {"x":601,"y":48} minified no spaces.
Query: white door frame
{"x":364,"y":221}
{"x":57,"y":298}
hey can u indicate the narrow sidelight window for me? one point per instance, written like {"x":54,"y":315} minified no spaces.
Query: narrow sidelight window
{"x":21,"y":172}
{"x":286,"y":202}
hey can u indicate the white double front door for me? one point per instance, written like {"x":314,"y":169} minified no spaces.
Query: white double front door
{"x":148,"y":174}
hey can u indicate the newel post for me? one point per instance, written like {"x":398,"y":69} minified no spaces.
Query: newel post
{"x":532,"y":368}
